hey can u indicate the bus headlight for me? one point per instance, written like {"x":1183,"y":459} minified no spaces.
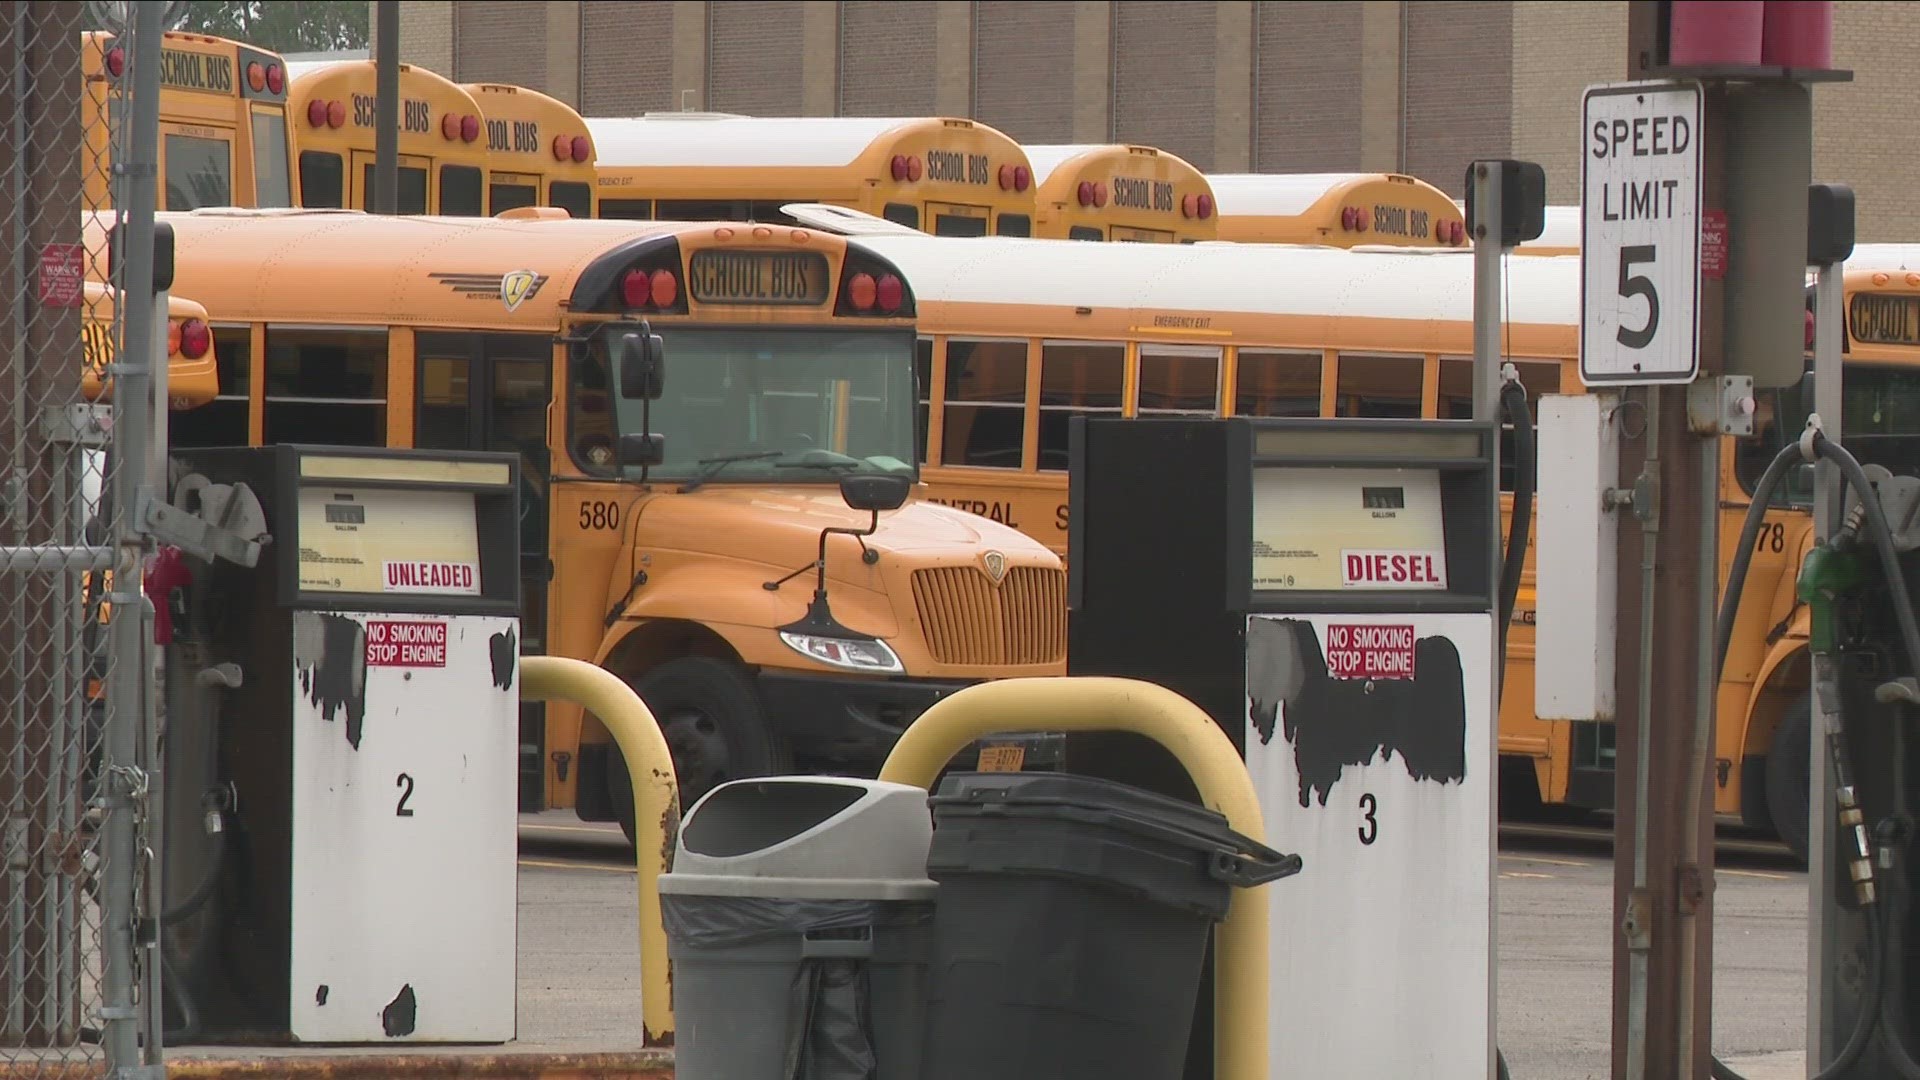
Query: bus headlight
{"x":872,"y":655}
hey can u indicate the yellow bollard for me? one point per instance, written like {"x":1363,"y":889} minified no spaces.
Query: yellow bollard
{"x":1098,"y":703}
{"x":656,"y":806}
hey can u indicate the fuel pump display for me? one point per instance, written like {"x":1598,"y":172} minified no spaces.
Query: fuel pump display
{"x":342,"y":750}
{"x":1325,"y":590}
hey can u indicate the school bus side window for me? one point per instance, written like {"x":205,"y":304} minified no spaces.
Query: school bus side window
{"x":986,"y":403}
{"x":459,"y":191}
{"x":622,"y":209}
{"x":1014,"y":225}
{"x":923,"y":395}
{"x":222,"y":421}
{"x":1179,"y":382}
{"x":1277,"y":384}
{"x":1456,"y":401}
{"x":326,"y":386}
{"x":573,"y":197}
{"x":1076,"y":377}
{"x":1386,"y":386}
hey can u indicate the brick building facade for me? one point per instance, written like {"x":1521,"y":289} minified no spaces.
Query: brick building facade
{"x":1422,"y":86}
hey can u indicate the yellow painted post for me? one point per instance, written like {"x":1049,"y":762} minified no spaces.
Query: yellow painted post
{"x":656,"y":806}
{"x":1098,"y":703}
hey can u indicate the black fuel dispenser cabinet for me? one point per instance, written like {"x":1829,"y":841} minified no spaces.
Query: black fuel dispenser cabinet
{"x":1325,"y":590}
{"x":341,"y":751}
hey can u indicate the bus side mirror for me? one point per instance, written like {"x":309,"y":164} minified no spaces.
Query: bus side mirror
{"x":642,"y":450}
{"x":874,"y":491}
{"x":641,"y":362}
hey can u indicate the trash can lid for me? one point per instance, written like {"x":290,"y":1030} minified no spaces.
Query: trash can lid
{"x":828,"y":829}
{"x":1070,"y":789}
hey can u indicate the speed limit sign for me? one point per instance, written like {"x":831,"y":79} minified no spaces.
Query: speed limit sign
{"x":1640,"y":233}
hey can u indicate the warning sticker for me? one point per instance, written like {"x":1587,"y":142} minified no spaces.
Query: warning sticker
{"x":406,"y":644}
{"x":1369,"y":651}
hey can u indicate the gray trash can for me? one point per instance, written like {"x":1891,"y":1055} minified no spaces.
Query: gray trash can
{"x":799,"y":920}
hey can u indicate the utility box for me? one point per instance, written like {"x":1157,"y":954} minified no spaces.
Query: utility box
{"x":358,"y":872}
{"x":1576,"y":556}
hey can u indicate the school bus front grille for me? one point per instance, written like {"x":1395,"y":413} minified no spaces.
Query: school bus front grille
{"x":968,"y":620}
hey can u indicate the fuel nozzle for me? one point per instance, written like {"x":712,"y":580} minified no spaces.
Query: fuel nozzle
{"x":1826,"y":707}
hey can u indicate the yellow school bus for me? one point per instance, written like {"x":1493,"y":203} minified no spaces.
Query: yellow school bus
{"x":443,"y":157}
{"x":193,"y":370}
{"x":789,"y":365}
{"x":1119,"y":192}
{"x":1336,"y":209}
{"x":223,"y":121}
{"x":1017,"y":337}
{"x":539,"y":151}
{"x":943,"y":175}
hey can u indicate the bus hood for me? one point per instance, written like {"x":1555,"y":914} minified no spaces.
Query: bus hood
{"x":780,"y":526}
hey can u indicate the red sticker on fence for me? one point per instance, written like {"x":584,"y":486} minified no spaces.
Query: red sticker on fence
{"x":63,"y":272}
{"x":1369,"y":651}
{"x":406,"y":644}
{"x":1713,"y":245}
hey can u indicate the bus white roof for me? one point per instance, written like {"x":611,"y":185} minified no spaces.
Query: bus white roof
{"x":1276,"y":279}
{"x":1046,"y":158}
{"x":690,"y":139}
{"x":1272,"y":194}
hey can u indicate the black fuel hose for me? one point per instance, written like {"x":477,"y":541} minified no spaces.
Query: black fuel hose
{"x":1513,"y":399}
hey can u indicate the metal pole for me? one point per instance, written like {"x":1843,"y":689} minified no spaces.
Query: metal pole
{"x":153,"y":714}
{"x":1828,"y":300}
{"x":1488,"y":320}
{"x":13,"y":492}
{"x":122,"y":783}
{"x":386,"y":108}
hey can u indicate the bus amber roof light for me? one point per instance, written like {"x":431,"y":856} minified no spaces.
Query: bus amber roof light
{"x":862,"y":290}
{"x":1189,"y":206}
{"x":562,"y":147}
{"x":195,"y":339}
{"x":276,"y":78}
{"x":1006,"y":177}
{"x":449,"y":127}
{"x":1346,"y":219}
{"x":469,"y":128}
{"x":898,"y":167}
{"x":581,"y":148}
{"x":889,"y":292}
{"x":256,"y":76}
{"x":336,"y":114}
{"x":913,"y":170}
{"x":1084,"y":193}
{"x":316,"y":113}
{"x":173,"y":338}
{"x":1100,"y":194}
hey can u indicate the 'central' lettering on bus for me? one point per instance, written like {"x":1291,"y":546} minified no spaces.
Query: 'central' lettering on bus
{"x":1885,"y":319}
{"x":1399,"y":221}
{"x":955,"y":167}
{"x":416,"y":115}
{"x":1137,"y":194}
{"x":196,"y":71}
{"x":519,"y":136}
{"x":756,"y":277}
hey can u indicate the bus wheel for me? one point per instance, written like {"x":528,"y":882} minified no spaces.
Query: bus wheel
{"x":714,"y":727}
{"x":1789,"y":775}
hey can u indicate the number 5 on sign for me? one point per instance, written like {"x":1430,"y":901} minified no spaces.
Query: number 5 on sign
{"x":1640,"y":233}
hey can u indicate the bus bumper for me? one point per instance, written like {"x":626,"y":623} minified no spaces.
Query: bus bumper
{"x":853,"y":723}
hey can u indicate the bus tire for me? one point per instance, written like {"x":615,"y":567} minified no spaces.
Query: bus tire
{"x":714,"y":726}
{"x":1789,"y":775}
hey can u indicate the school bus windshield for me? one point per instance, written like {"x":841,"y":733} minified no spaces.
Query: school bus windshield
{"x":1878,"y":401}
{"x":784,"y":405}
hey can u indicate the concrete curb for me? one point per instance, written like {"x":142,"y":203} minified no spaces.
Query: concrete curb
{"x":640,"y":1065}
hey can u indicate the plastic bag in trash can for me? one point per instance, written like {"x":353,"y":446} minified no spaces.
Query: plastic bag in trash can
{"x":829,"y":1005}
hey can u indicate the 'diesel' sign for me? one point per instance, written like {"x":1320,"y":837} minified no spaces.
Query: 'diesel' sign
{"x":1640,"y":233}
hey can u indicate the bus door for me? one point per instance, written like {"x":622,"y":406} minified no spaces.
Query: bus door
{"x":490,"y":392}
{"x":196,"y":164}
{"x":954,"y":219}
{"x":412,"y":196}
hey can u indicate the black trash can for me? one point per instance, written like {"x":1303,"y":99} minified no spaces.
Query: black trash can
{"x":1072,"y":924}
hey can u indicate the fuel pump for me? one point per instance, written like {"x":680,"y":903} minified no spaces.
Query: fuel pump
{"x":1864,"y":652}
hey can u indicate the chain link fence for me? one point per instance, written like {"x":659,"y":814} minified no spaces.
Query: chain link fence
{"x":76,"y":741}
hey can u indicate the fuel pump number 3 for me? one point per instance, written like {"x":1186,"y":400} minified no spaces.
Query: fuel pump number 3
{"x":1369,"y":825}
